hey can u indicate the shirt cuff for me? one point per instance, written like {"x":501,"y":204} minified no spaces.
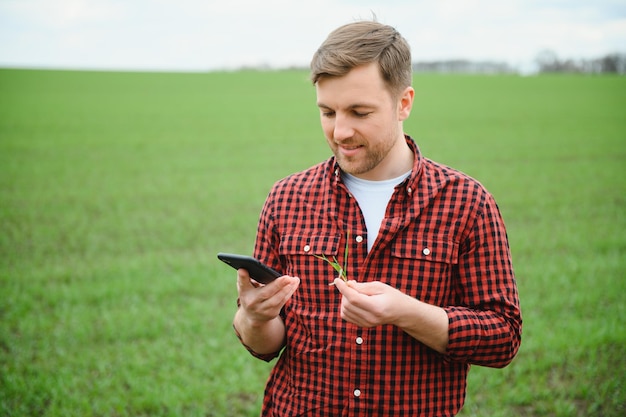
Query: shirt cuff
{"x":263,"y":356}
{"x":464,"y":332}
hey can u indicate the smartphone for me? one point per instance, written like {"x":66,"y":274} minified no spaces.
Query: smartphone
{"x":257,"y":270}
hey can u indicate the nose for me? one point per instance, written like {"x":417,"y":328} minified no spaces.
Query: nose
{"x":343,"y":128}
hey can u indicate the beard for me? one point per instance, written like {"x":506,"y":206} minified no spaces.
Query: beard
{"x":368,"y":157}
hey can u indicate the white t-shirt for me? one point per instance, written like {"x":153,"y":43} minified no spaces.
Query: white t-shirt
{"x":373,"y":197}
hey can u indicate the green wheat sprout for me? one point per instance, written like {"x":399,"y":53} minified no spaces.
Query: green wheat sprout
{"x":335,"y":263}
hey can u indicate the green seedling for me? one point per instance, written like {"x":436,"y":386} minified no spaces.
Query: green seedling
{"x":341,"y":270}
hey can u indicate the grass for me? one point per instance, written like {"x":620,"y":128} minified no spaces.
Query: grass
{"x":118,"y":189}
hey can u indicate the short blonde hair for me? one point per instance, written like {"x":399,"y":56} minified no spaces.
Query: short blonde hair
{"x":362,"y":43}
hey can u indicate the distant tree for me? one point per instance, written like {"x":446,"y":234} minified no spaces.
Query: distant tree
{"x":547,"y":61}
{"x":463,"y":66}
{"x":613,"y":63}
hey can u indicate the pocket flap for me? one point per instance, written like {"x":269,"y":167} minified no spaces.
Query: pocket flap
{"x":309,"y":244}
{"x":435,"y":250}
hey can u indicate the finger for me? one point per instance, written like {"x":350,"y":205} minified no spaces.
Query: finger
{"x":346,"y":285}
{"x":283,"y":287}
{"x":367,"y":288}
{"x":353,"y":289}
{"x":353,"y":313}
{"x":340,"y":284}
{"x":244,"y":282}
{"x":266,"y":302}
{"x":277,"y":292}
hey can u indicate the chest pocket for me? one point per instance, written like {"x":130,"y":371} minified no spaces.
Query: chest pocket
{"x":297,"y":250}
{"x":426,"y":267}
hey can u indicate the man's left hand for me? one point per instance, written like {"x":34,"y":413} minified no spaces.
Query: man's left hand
{"x":368,"y":304}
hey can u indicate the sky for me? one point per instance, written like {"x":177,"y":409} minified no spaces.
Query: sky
{"x":202,"y":35}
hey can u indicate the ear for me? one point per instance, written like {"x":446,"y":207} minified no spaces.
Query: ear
{"x":405,"y":103}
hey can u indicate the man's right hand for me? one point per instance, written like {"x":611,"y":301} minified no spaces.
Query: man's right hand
{"x":258,"y":320}
{"x":264,"y":302}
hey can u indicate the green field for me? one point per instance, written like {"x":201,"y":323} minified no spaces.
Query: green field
{"x":118,"y":189}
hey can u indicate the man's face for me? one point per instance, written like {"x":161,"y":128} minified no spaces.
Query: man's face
{"x":362,"y":122}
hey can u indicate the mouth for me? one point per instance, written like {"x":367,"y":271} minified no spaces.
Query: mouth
{"x":349,"y":150}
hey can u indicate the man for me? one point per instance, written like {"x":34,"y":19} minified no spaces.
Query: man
{"x":430,"y":287}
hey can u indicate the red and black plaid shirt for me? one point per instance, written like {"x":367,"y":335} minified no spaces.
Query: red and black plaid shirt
{"x":442,"y":241}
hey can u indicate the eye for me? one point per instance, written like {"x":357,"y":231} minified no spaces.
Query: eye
{"x":328,"y":113}
{"x":361,"y":114}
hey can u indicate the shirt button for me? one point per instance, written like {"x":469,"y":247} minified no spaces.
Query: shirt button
{"x":409,"y":190}
{"x":307,"y":248}
{"x":359,"y":239}
{"x":426,"y":251}
{"x":359,"y":340}
{"x":357,"y":392}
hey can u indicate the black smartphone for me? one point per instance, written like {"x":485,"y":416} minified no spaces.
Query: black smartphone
{"x":257,"y":270}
